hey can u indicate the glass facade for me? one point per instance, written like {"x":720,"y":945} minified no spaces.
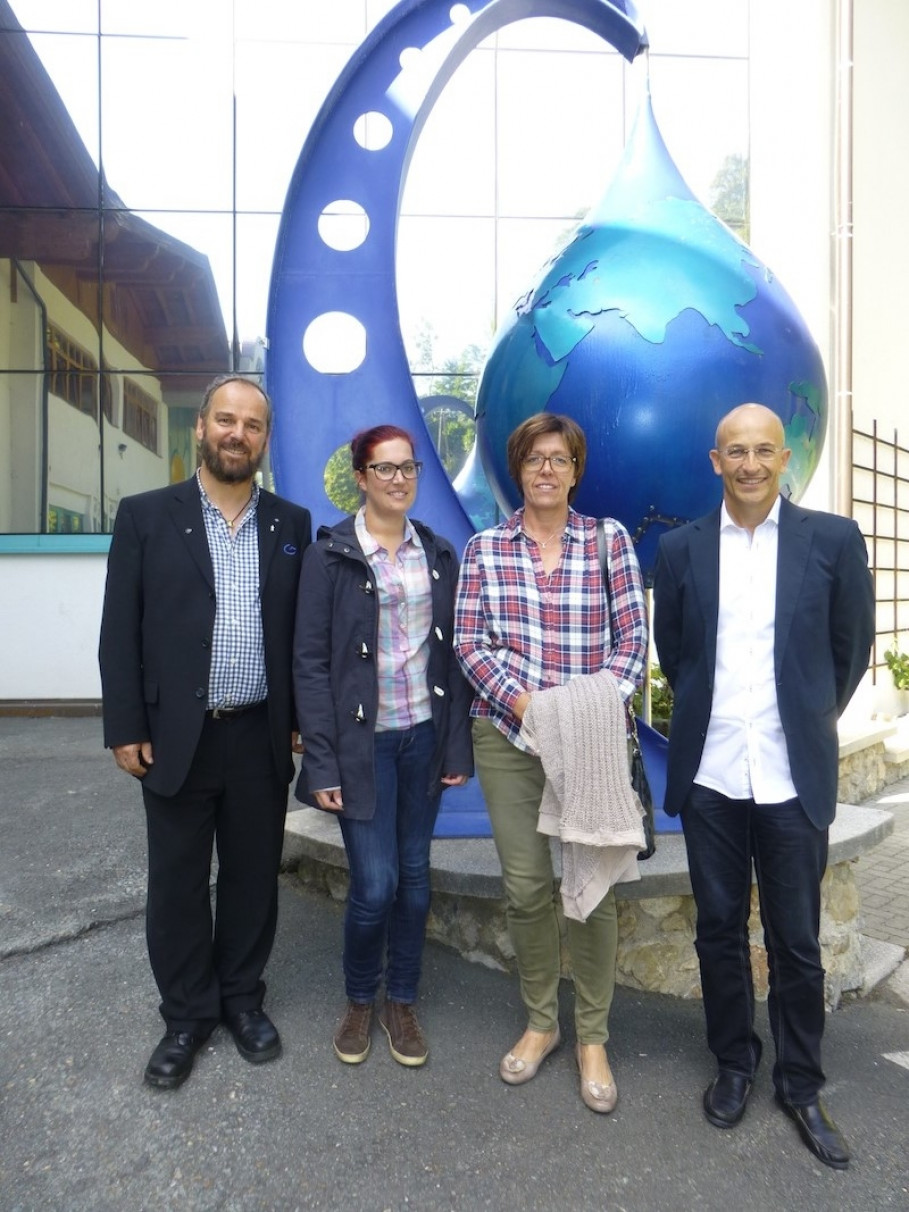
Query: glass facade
{"x":145,"y":154}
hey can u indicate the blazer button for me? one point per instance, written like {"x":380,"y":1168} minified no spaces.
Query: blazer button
{"x":200,"y":693}
{"x":206,"y":644}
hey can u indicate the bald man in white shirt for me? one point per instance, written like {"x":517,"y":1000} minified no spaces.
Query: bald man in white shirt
{"x":763,"y":621}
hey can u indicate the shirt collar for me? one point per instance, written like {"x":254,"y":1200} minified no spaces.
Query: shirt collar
{"x":368,"y":545}
{"x":208,"y":503}
{"x":728,"y":523}
{"x":574,"y":527}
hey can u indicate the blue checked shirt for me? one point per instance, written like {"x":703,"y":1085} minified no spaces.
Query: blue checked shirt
{"x":237,"y":675}
{"x":517,"y":629}
{"x":405,"y":617}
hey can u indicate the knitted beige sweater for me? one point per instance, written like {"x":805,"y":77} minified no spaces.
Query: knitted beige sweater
{"x":578,"y":730}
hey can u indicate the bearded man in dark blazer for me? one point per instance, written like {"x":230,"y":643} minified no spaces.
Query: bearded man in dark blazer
{"x":195,"y":660}
{"x":763,"y":622}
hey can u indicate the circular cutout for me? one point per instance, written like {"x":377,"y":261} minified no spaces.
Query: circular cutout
{"x":373,"y":130}
{"x":338,"y":480}
{"x":343,"y":225}
{"x":334,"y":343}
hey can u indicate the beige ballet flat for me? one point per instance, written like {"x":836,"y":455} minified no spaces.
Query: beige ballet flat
{"x":515,"y":1071}
{"x":595,"y":1095}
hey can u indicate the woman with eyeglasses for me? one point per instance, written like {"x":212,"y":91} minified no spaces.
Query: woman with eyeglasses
{"x":533,"y":613}
{"x":383,"y":713}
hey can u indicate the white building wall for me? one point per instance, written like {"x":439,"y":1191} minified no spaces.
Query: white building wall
{"x":50,"y":615}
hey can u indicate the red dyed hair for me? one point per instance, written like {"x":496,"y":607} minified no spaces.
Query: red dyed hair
{"x":363,"y":444}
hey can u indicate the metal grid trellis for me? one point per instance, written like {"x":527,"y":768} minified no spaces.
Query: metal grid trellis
{"x":880,"y":494}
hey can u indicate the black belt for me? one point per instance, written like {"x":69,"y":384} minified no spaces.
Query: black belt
{"x":233,"y":713}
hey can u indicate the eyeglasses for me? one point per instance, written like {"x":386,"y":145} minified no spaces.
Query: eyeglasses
{"x":764,"y":453}
{"x":558,"y":462}
{"x":387,"y":471}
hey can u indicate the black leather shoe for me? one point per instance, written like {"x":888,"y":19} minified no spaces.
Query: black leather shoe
{"x":255,"y":1035}
{"x":172,"y":1061}
{"x":819,"y":1132}
{"x":726,"y":1098}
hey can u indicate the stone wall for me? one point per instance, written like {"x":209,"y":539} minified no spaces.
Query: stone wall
{"x":656,"y":934}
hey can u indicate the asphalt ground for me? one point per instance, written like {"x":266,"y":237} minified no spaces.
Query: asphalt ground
{"x":78,"y":1018}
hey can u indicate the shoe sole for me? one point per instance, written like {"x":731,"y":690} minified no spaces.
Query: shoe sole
{"x":260,"y":1058}
{"x":350,"y":1058}
{"x":412,"y":1062}
{"x":164,"y":1083}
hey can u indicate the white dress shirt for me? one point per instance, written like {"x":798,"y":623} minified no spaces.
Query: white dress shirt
{"x":745,"y":754}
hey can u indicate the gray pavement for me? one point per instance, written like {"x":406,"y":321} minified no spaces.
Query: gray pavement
{"x":78,"y":1018}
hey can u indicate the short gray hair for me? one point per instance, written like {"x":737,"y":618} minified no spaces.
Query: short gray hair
{"x":205,"y":406}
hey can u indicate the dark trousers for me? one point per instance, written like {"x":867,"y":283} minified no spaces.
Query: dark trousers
{"x":233,"y":799}
{"x":388,"y":857}
{"x":723,"y":838}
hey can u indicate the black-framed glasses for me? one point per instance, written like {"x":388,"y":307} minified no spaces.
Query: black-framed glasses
{"x":410,"y":470}
{"x":558,"y":462}
{"x":765,"y":453}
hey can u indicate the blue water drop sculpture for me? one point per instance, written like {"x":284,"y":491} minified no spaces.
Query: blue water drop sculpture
{"x":647,"y":328}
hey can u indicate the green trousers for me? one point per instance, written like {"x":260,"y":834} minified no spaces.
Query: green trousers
{"x":512,"y":783}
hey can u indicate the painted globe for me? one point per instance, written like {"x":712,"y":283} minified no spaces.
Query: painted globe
{"x":646,"y":329}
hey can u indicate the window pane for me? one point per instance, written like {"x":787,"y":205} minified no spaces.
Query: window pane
{"x":49,"y":115}
{"x":547,"y":106}
{"x":701,"y":106}
{"x":69,"y":16}
{"x":274,"y":113}
{"x":167,"y":292}
{"x":710,"y":27}
{"x":49,"y":272}
{"x":256,"y":236}
{"x":167,"y":122}
{"x":446,"y":286}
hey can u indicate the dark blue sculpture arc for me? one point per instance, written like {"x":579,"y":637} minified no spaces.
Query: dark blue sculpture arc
{"x":314,"y":412}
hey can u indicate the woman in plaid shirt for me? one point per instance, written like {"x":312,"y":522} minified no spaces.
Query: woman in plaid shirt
{"x":532,"y":612}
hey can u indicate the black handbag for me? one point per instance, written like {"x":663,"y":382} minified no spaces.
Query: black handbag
{"x":641,"y":788}
{"x":639,"y":783}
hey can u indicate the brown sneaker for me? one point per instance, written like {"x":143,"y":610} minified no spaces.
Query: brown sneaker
{"x":406,"y":1040}
{"x":351,"y":1041}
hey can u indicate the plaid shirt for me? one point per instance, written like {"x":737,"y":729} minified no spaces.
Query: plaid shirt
{"x":517,"y":629}
{"x":405,"y":617}
{"x":237,"y":674}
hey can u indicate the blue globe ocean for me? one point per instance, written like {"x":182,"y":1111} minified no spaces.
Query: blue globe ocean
{"x":647,"y":328}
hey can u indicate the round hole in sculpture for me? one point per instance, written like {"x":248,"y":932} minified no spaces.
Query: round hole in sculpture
{"x":411,"y":59}
{"x":343,"y":225}
{"x":373,"y":130}
{"x":334,"y":343}
{"x":459,"y":13}
{"x":338,"y":480}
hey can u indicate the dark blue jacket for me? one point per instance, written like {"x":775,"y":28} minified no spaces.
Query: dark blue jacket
{"x":335,"y":680}
{"x":824,"y":629}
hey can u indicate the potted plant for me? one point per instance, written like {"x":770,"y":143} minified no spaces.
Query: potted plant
{"x":898,"y":664}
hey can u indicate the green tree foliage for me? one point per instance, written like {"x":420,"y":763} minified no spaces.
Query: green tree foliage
{"x":730,"y":197}
{"x":340,"y":485}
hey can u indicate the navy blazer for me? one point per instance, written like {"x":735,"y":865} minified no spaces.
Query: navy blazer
{"x":158,"y":622}
{"x":824,"y":630}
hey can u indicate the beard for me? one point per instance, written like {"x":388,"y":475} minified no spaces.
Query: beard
{"x":234,"y":472}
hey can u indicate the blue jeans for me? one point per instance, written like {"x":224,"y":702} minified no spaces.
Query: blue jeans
{"x":388,"y":858}
{"x":723,"y":837}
